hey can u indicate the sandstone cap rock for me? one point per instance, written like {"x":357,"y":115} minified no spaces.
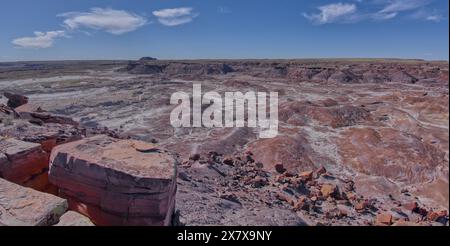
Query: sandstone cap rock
{"x":20,"y":160}
{"x":102,"y":156}
{"x":116,"y":182}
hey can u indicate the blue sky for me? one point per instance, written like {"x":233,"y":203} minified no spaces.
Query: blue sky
{"x":185,"y":29}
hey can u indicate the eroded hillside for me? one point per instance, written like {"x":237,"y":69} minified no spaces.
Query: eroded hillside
{"x":360,"y":141}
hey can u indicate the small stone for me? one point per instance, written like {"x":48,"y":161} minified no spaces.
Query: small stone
{"x":194,"y":157}
{"x":302,"y":204}
{"x":361,"y":206}
{"x":250,"y":159}
{"x":259,"y":165}
{"x":384,"y":219}
{"x":280,"y":168}
{"x":144,"y":147}
{"x":230,"y":197}
{"x":436,"y":216}
{"x":443,"y":213}
{"x":329,"y":190}
{"x":37,"y":122}
{"x":228,"y":161}
{"x":307,"y":176}
{"x":349,"y":186}
{"x":350,"y":196}
{"x":343,"y":210}
{"x":422,"y":211}
{"x":296,"y":182}
{"x":405,"y":223}
{"x":412,"y":206}
{"x":280,"y":179}
{"x":72,"y":218}
{"x":321,"y":171}
{"x":284,"y":198}
{"x":432,"y":216}
{"x":184,"y":176}
{"x":258,"y":182}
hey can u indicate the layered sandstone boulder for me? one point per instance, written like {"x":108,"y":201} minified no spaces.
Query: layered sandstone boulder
{"x":116,"y":182}
{"x":20,"y":206}
{"x":24,"y":163}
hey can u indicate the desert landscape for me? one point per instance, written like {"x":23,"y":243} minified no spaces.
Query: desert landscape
{"x":361,"y":142}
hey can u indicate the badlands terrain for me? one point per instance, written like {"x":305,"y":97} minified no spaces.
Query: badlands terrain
{"x":361,"y":142}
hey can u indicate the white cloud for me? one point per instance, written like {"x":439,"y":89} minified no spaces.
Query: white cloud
{"x":435,"y":18}
{"x":377,"y":10}
{"x":394,"y":7}
{"x":109,"y":20}
{"x":428,"y":15}
{"x":336,"y":12}
{"x":40,"y":40}
{"x":175,"y":17}
{"x":384,"y":16}
{"x":403,"y":5}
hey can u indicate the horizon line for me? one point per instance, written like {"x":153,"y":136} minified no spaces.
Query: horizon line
{"x":232,"y":59}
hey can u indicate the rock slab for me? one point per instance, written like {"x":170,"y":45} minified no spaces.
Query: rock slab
{"x":116,"y":182}
{"x":23,"y":163}
{"x":20,"y":206}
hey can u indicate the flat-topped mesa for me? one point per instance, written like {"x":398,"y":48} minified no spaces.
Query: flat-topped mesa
{"x":116,"y":182}
{"x":20,"y":206}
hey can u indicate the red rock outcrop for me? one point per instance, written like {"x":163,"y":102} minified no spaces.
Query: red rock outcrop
{"x":27,"y":142}
{"x":15,"y":100}
{"x":37,"y":115}
{"x":24,"y":163}
{"x":21,"y":206}
{"x":48,"y":135}
{"x":116,"y":182}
